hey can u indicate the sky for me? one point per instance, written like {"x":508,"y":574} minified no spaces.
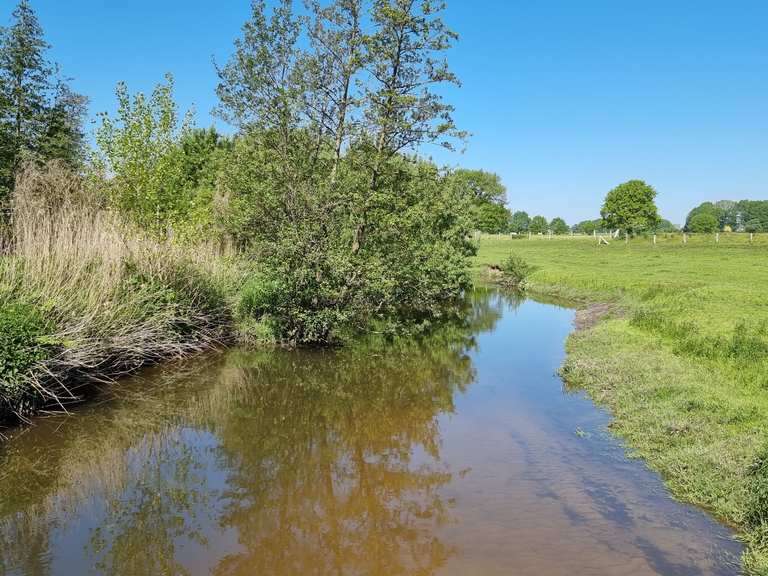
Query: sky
{"x":565,"y":99}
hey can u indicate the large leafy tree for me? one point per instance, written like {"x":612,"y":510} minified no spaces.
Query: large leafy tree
{"x":347,"y":224}
{"x":490,"y":218}
{"x":520,"y":222}
{"x":487,"y":196}
{"x":752,"y":211}
{"x":558,"y":226}
{"x":703,"y":222}
{"x":539,"y":225}
{"x":40,"y":117}
{"x":481,"y":186}
{"x":709,"y":209}
{"x":631,"y":207}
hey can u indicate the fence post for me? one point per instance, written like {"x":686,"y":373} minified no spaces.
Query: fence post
{"x":654,"y":239}
{"x":717,"y":238}
{"x":685,"y":238}
{"x":750,"y":237}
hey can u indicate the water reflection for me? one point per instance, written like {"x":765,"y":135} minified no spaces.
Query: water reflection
{"x":452,"y":455}
{"x":321,"y":462}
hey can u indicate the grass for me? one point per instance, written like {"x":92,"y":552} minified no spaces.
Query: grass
{"x":83,"y":297}
{"x":683,"y":368}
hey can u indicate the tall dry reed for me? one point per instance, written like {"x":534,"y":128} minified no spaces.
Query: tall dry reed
{"x":116,"y":299}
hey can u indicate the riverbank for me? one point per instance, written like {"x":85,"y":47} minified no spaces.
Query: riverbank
{"x":84,"y":300}
{"x":683,"y":367}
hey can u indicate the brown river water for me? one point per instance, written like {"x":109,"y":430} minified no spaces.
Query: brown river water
{"x":461,"y":454}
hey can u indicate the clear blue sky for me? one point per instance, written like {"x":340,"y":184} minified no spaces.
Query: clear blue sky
{"x":565,"y":98}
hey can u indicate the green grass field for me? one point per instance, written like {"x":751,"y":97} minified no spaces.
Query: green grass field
{"x":682,"y":363}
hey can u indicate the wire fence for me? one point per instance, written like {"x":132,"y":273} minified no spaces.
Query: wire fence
{"x":608,"y":238}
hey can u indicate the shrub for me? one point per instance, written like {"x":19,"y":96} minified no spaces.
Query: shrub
{"x":339,"y":258}
{"x":23,"y":344}
{"x":516,"y":270}
{"x":703,"y":222}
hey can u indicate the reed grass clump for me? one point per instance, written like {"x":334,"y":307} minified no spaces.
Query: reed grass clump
{"x":87,"y":297}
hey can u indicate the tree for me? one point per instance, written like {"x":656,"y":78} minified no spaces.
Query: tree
{"x":707,"y":208}
{"x":631,"y":207}
{"x":323,"y":186}
{"x":487,"y":196}
{"x":666,"y":226}
{"x":481,"y":186}
{"x":141,"y":149}
{"x":40,"y":117}
{"x":750,"y":210}
{"x":703,"y":222}
{"x":520,"y":222}
{"x":589,"y":226}
{"x":729,"y":214}
{"x":539,"y":225}
{"x":63,"y":137}
{"x":558,"y":226}
{"x":490,"y":218}
{"x":753,"y":225}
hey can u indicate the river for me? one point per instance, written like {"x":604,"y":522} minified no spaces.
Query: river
{"x":461,"y":454}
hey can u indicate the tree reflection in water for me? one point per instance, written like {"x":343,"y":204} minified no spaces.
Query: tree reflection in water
{"x":321,"y":462}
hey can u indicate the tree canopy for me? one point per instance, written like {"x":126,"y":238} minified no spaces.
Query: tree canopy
{"x":732,"y":214}
{"x":539,"y":225}
{"x":559,"y":226}
{"x":703,"y":222}
{"x":40,"y":116}
{"x":520,"y":222}
{"x":487,"y":196}
{"x":323,"y":187}
{"x":631,"y":206}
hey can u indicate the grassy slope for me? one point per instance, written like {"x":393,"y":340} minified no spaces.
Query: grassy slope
{"x":684,"y":370}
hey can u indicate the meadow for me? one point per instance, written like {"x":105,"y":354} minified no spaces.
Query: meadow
{"x":679,"y":359}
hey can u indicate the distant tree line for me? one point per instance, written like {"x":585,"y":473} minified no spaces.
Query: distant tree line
{"x":729,"y":215}
{"x":629,"y":207}
{"x":488,"y":211}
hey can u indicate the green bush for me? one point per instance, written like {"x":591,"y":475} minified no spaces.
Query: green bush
{"x":259,"y":296}
{"x":703,"y":222}
{"x":22,"y":345}
{"x":516,"y":270}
